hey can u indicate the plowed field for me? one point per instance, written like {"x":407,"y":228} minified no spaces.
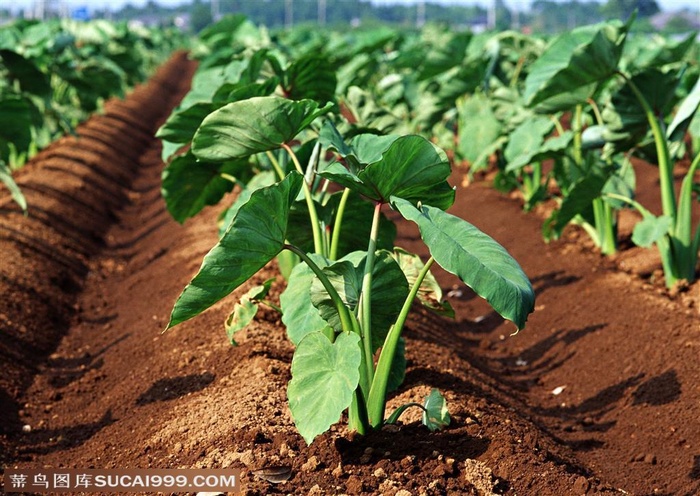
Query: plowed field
{"x":599,"y":394}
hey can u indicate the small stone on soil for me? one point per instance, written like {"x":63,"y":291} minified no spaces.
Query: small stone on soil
{"x":581,"y":485}
{"x":379,"y":473}
{"x":310,"y":465}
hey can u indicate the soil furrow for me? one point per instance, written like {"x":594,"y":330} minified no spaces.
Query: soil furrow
{"x":45,"y":255}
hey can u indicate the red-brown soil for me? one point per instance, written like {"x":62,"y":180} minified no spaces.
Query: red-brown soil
{"x":89,"y":279}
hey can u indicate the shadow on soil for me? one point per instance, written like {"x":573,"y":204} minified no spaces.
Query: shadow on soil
{"x":43,"y":441}
{"x":410,"y":441}
{"x":660,"y":390}
{"x":171,"y":388}
{"x":63,"y":371}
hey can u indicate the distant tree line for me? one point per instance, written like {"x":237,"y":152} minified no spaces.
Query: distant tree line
{"x":544,"y":16}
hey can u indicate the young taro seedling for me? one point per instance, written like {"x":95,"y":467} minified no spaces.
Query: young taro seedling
{"x":343,"y":313}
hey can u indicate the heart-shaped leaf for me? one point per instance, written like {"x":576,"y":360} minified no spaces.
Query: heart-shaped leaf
{"x":651,"y":229}
{"x":573,"y":65}
{"x":430,"y":292}
{"x":311,"y":76}
{"x":254,"y":237}
{"x":389,"y":290}
{"x":324,"y":378}
{"x":188,"y":185}
{"x":183,"y":123}
{"x":479,"y":130}
{"x":259,"y":124}
{"x":435,"y":414}
{"x":476,"y":258}
{"x":411,"y":168}
{"x":299,"y":315}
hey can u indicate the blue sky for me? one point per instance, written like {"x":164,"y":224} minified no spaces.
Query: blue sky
{"x":669,"y":5}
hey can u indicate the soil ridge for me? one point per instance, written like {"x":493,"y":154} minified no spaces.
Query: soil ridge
{"x":73,"y":188}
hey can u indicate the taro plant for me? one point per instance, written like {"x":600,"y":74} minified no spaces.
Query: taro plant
{"x":584,"y":66}
{"x":672,"y":231}
{"x":345,"y":309}
{"x":569,"y":76}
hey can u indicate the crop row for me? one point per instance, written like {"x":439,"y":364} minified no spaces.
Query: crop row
{"x":53,"y":75}
{"x":320,"y":132}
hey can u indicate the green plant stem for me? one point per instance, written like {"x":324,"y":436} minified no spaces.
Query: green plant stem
{"x":394,"y":417}
{"x":687,"y":258}
{"x":357,"y":414}
{"x":319,"y":245}
{"x":604,"y":226}
{"x":377,"y":393}
{"x":558,"y":126}
{"x":272,"y":305}
{"x":275,"y":165}
{"x":346,"y":321}
{"x":517,"y":71}
{"x":338,"y":224}
{"x":365,"y":304}
{"x":228,"y":177}
{"x":596,"y":111}
{"x":577,"y":128}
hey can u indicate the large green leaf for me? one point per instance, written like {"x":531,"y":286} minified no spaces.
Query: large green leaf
{"x":389,"y":290}
{"x":526,"y":141}
{"x":411,"y":168}
{"x":625,"y":117}
{"x":324,"y":378}
{"x":479,"y":131}
{"x":577,"y":202}
{"x":183,"y":123}
{"x":573,"y":65}
{"x":30,"y":78}
{"x":188,"y":185}
{"x":299,"y":315}
{"x":259,"y":180}
{"x":686,"y":111}
{"x":311,"y":76}
{"x":657,"y":51}
{"x":254,"y":237}
{"x":259,"y":124}
{"x":479,"y":261}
